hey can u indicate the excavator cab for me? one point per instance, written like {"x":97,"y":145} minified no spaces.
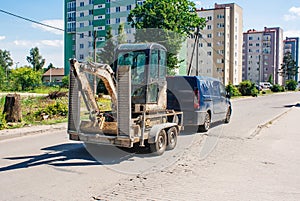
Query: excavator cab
{"x":146,"y":65}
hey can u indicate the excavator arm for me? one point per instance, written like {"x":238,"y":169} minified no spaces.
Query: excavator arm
{"x":102,"y":71}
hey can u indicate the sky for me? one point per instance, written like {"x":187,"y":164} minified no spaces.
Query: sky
{"x":18,"y":36}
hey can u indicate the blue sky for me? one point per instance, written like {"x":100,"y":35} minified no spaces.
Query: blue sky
{"x":19,"y":36}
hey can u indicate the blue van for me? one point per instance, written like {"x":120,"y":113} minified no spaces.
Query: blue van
{"x":203,"y":100}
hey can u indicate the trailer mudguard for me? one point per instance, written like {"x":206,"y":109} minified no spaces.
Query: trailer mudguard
{"x":157,"y":128}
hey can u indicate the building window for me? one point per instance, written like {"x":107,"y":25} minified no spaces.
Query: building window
{"x":220,"y":25}
{"x":91,"y":12}
{"x":107,"y":1}
{"x":81,"y":35}
{"x":90,"y":44}
{"x":107,"y":10}
{"x":91,"y":1}
{"x":81,"y":14}
{"x":209,"y":53}
{"x":118,"y":9}
{"x":81,"y":25}
{"x":118,"y":20}
{"x":81,"y":57}
{"x":208,"y":44}
{"x":209,"y":18}
{"x":90,"y":33}
{"x":140,"y":3}
{"x":108,"y":22}
{"x":208,"y":27}
{"x":250,"y":38}
{"x":209,"y":35}
{"x":90,"y":22}
{"x":128,"y":7}
{"x":81,"y":46}
{"x":81,"y":4}
{"x":100,"y":5}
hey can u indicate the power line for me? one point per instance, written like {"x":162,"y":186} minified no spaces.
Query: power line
{"x":30,"y":20}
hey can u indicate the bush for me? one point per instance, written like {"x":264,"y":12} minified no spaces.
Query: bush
{"x":247,"y":88}
{"x":291,"y":85}
{"x":277,"y":88}
{"x":232,"y":90}
{"x":3,"y":123}
{"x":53,"y":110}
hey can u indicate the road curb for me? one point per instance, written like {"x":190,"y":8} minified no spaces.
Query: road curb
{"x":267,"y":123}
{"x":27,"y":131}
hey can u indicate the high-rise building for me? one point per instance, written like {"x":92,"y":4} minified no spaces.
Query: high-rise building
{"x":291,"y":44}
{"x":86,"y":22}
{"x":263,"y":55}
{"x":219,"y":52}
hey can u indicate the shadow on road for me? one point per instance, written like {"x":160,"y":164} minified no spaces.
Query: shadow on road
{"x":295,"y":105}
{"x":58,"y":155}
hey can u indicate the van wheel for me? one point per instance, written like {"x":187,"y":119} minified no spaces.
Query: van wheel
{"x":228,"y":116}
{"x":159,"y":147}
{"x":206,"y":125}
{"x":172,"y":138}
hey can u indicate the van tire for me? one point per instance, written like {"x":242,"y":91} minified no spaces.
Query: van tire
{"x":228,"y":116}
{"x":206,"y":125}
{"x":172,"y":138}
{"x":159,"y":147}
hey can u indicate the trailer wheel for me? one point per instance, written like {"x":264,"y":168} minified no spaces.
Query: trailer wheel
{"x":159,"y":147}
{"x":172,"y":138}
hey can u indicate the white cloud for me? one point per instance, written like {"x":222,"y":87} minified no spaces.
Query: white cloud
{"x":291,"y":33}
{"x":41,"y":43}
{"x":294,"y":13}
{"x":53,"y":43}
{"x":54,"y":23}
{"x":198,"y":3}
{"x":2,"y":37}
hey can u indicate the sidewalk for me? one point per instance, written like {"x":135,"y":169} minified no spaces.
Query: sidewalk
{"x":30,"y":130}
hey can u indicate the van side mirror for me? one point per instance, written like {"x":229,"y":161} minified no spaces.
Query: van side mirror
{"x":228,"y":95}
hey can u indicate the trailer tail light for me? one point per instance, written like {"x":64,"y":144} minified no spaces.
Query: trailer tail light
{"x":196,"y":99}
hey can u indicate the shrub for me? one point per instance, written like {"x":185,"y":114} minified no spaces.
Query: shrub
{"x":291,"y":85}
{"x":247,"y":88}
{"x":232,"y":90}
{"x":277,"y":88}
{"x":55,"y":109}
{"x":3,"y":124}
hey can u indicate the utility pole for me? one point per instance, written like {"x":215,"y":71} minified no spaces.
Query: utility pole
{"x":191,"y":61}
{"x":95,"y":58}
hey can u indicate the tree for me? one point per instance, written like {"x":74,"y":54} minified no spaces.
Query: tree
{"x":288,"y":68}
{"x":35,"y":59}
{"x":25,"y":78}
{"x":121,"y":34}
{"x":107,"y":53}
{"x":5,"y":61}
{"x":172,"y":20}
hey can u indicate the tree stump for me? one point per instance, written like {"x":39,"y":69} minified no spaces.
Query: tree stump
{"x":12,"y":108}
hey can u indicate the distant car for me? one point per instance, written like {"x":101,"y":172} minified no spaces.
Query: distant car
{"x":203,"y":100}
{"x":258,"y":87}
{"x":265,"y":85}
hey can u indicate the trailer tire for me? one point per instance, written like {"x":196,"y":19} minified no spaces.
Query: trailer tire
{"x":172,"y":138}
{"x":159,"y":147}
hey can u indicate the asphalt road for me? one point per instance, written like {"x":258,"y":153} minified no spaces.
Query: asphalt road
{"x":50,"y":167}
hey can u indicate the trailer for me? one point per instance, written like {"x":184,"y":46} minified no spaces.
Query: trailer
{"x":137,"y":87}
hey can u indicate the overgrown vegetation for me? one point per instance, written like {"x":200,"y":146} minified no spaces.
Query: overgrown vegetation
{"x":277,"y":88}
{"x":291,"y":85}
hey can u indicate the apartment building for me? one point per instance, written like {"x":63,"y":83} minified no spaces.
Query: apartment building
{"x":219,"y":50}
{"x":262,"y":55}
{"x":86,"y":22}
{"x":291,"y":44}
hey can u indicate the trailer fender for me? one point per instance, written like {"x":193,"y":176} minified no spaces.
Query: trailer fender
{"x":157,"y":128}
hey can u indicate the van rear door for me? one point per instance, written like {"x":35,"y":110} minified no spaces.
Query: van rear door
{"x":183,"y":93}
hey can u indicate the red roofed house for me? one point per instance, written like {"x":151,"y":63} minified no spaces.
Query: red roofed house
{"x":53,"y":75}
